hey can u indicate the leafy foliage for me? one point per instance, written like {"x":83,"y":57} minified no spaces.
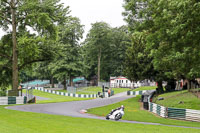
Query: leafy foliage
{"x":113,"y":43}
{"x":171,"y":29}
{"x":68,"y":62}
{"x":96,"y":47}
{"x":34,"y":27}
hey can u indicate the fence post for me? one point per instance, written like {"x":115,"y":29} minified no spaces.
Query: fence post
{"x":166,"y":112}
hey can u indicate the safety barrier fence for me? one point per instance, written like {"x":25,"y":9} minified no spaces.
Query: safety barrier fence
{"x":13,"y":100}
{"x":168,"y":112}
{"x":135,"y":92}
{"x":66,"y":94}
{"x":175,"y":113}
{"x":158,"y":109}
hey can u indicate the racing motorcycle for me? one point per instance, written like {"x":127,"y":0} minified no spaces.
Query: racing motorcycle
{"x":116,"y":114}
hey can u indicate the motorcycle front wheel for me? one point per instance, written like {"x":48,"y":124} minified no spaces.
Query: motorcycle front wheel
{"x":107,"y":117}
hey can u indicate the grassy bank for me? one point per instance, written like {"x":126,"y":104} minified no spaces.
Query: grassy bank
{"x":95,"y":90}
{"x":179,"y":99}
{"x":145,"y":88}
{"x":53,"y":98}
{"x":134,"y":112}
{"x":25,"y":122}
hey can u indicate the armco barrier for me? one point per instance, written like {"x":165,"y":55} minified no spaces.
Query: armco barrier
{"x":135,"y":92}
{"x":66,"y":94}
{"x":184,"y":114}
{"x":175,"y":113}
{"x":13,"y":100}
{"x":158,"y":109}
{"x":192,"y":115}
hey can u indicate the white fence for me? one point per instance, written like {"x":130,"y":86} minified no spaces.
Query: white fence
{"x":192,"y":115}
{"x":175,"y":113}
{"x":158,"y":109}
{"x":13,"y":100}
{"x":66,"y":94}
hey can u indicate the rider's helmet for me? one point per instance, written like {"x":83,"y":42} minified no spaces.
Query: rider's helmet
{"x":122,"y":106}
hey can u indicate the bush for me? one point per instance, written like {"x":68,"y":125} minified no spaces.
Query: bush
{"x":2,"y":92}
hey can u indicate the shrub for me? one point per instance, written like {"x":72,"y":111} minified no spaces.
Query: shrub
{"x":3,"y":92}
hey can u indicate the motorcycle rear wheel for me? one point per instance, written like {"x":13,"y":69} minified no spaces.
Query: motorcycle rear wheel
{"x":118,"y":116}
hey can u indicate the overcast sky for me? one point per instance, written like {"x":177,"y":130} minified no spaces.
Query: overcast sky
{"x":91,"y":11}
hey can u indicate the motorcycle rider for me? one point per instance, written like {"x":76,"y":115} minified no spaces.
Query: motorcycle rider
{"x":116,"y":114}
{"x":121,"y":107}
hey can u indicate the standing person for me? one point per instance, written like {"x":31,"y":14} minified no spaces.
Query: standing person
{"x":20,"y":90}
{"x":109,"y":91}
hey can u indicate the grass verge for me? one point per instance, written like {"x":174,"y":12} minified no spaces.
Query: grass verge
{"x":95,"y":90}
{"x":179,"y":99}
{"x":26,"y":122}
{"x":145,"y":88}
{"x":53,"y":98}
{"x":134,"y":112}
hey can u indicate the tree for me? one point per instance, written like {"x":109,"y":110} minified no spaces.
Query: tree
{"x":5,"y":60}
{"x":120,"y":42}
{"x":172,"y":38}
{"x":113,"y":44}
{"x":177,"y":41}
{"x":42,"y":71}
{"x":96,"y":44}
{"x":40,"y":16}
{"x":138,"y":62}
{"x":68,"y":61}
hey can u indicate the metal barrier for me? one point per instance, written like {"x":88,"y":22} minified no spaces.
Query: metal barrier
{"x":158,"y":109}
{"x":168,"y":112}
{"x":175,"y":113}
{"x":135,"y":92}
{"x":66,"y":94}
{"x":192,"y":115}
{"x":13,"y":100}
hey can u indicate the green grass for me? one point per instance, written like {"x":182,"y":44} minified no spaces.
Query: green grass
{"x":95,"y":90}
{"x":119,"y":90}
{"x":53,"y":98}
{"x":26,"y":122}
{"x":86,"y":90}
{"x":173,"y":99}
{"x":134,"y":112}
{"x":145,"y":88}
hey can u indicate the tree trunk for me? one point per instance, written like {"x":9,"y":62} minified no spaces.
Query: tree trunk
{"x":160,"y":87}
{"x":65,"y":83}
{"x":171,"y":85}
{"x":188,"y":85}
{"x":99,"y":65}
{"x":14,"y":50}
{"x":71,"y":80}
{"x":52,"y":83}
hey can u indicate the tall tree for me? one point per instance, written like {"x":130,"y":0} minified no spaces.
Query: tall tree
{"x":120,"y":42}
{"x":97,"y":43}
{"x":40,"y":16}
{"x":173,"y":30}
{"x":175,"y":41}
{"x":139,"y":62}
{"x":68,"y":63}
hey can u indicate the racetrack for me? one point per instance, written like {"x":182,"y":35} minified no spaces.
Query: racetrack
{"x":75,"y":108}
{"x":72,"y":108}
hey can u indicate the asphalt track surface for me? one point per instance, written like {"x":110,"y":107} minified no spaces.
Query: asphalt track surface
{"x":76,"y":108}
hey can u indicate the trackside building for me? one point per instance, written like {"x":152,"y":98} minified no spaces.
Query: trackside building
{"x":120,"y":82}
{"x":123,"y":82}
